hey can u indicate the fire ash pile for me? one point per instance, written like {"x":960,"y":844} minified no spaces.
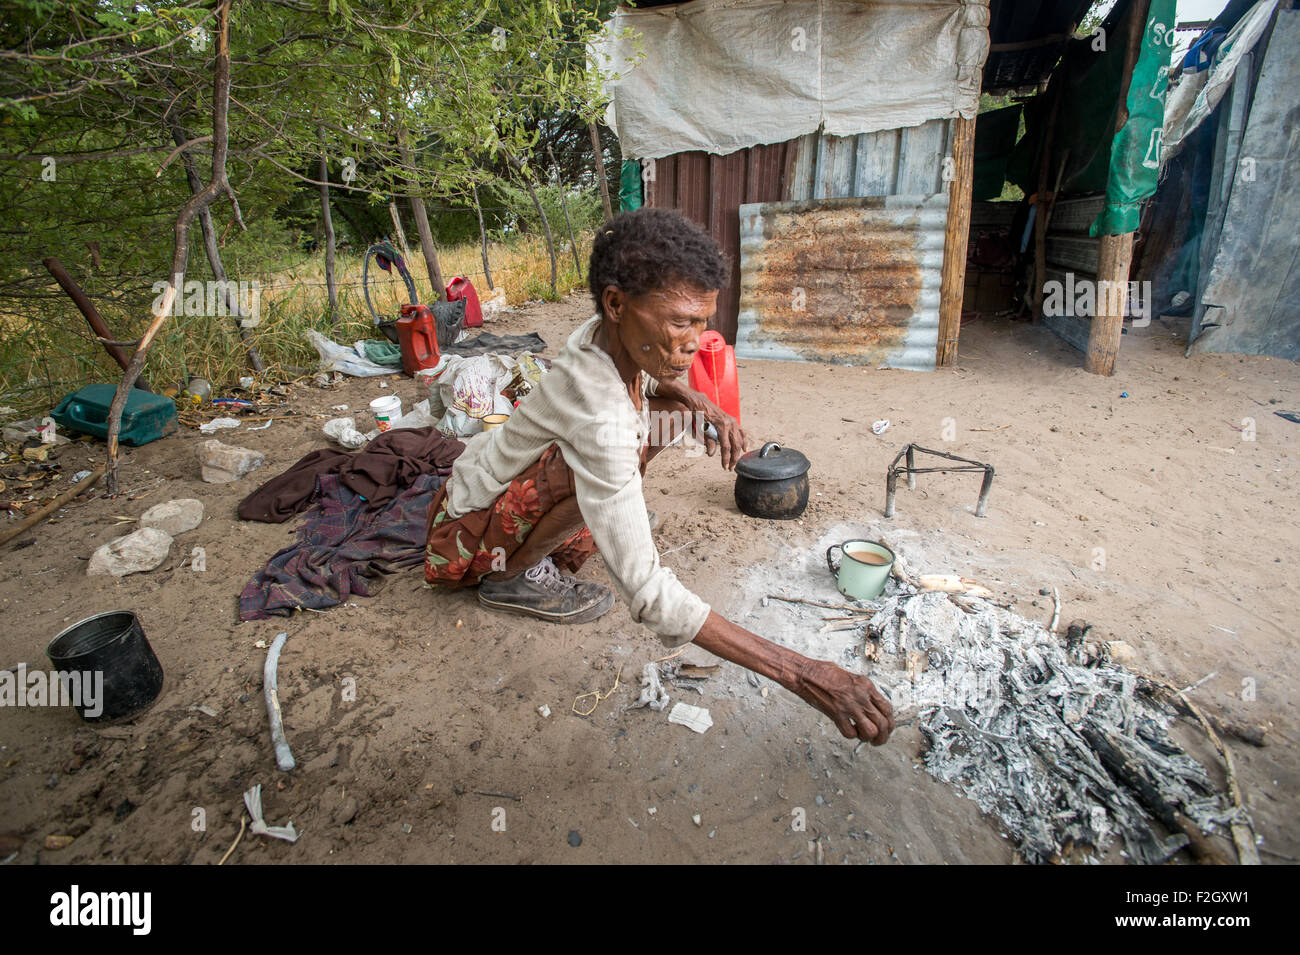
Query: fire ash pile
{"x":1061,"y":744}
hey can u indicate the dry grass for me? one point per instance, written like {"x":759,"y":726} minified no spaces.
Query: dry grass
{"x":49,"y":352}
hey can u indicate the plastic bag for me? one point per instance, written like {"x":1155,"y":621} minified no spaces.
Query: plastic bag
{"x":344,"y":431}
{"x":418,"y":417}
{"x":336,"y":357}
{"x":457,"y":424}
{"x":470,"y":388}
{"x":493,"y":304}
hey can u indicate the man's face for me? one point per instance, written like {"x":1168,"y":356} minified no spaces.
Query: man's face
{"x":661,"y":329}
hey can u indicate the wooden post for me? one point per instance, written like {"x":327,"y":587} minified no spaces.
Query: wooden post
{"x":422,"y":223}
{"x":601,"y":179}
{"x":328,"y":222}
{"x":1116,"y":252}
{"x":93,"y":318}
{"x":428,"y":248}
{"x":482,"y":234}
{"x":399,"y":232}
{"x":1113,"y":260}
{"x":956,"y":235}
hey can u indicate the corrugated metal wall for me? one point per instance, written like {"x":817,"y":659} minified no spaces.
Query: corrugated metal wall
{"x":711,"y":189}
{"x":892,"y":162}
{"x":852,"y":280}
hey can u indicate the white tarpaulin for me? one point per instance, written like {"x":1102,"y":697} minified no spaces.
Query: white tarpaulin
{"x":723,"y":75}
{"x":1197,"y":94}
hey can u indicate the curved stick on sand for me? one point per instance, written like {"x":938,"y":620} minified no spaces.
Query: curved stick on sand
{"x":283,"y":756}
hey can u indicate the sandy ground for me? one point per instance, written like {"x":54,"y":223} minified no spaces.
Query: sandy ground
{"x":1158,"y":522}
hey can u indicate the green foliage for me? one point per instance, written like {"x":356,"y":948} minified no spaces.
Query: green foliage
{"x":585,"y":210}
{"x":430,"y":98}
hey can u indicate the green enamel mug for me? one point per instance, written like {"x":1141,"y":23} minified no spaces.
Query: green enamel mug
{"x":863,"y":569}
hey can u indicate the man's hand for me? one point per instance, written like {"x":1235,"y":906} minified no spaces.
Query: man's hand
{"x":730,"y":437}
{"x":853,"y":702}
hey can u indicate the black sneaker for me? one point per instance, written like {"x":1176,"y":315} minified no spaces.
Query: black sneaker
{"x":542,"y":591}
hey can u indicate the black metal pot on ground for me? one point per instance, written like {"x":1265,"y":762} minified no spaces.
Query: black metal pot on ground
{"x":772,"y":483}
{"x":112,"y":644}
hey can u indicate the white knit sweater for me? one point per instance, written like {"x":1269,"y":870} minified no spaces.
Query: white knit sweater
{"x":582,"y":405}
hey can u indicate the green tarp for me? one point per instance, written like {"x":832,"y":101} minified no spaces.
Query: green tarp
{"x":995,"y":140}
{"x":629,"y":188}
{"x":1135,"y":151}
{"x":1125,"y":165}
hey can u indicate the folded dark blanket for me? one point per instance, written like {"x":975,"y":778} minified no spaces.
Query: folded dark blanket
{"x":378,"y":472}
{"x":343,"y":549}
{"x":487,"y":343}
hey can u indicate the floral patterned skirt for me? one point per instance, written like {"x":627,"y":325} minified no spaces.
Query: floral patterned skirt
{"x":462,"y":550}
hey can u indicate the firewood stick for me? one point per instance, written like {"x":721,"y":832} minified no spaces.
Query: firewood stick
{"x":77,"y":489}
{"x":953,"y":584}
{"x":1243,"y":837}
{"x":1252,"y":733}
{"x":819,"y":603}
{"x":1132,"y":776}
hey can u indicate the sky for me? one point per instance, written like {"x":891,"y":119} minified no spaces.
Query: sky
{"x":1192,"y":11}
{"x":1199,"y":9}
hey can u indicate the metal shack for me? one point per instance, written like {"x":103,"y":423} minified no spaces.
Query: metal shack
{"x":830,"y":146}
{"x":819,"y":142}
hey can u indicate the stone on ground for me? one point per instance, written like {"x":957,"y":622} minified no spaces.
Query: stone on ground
{"x":174,"y":517}
{"x":223,"y":463}
{"x":142,"y":550}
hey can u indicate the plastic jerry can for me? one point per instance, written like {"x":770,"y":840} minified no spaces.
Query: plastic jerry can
{"x":714,"y":373}
{"x":417,"y":336}
{"x":145,"y":417}
{"x":461,"y":287}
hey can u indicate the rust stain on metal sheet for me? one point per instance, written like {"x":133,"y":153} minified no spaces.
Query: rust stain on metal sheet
{"x":836,"y":280}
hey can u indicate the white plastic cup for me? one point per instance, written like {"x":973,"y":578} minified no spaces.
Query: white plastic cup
{"x":386,"y":411}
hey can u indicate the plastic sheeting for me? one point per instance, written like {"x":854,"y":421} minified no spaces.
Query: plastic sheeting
{"x":724,"y":75}
{"x":1198,"y":94}
{"x":1135,"y":150}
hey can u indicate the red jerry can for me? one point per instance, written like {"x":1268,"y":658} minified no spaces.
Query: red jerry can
{"x":714,"y":373}
{"x":461,"y":287}
{"x":417,"y":335}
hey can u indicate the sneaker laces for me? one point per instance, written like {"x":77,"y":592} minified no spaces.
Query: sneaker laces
{"x":544,"y":572}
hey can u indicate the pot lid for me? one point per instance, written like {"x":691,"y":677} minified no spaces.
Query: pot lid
{"x":772,"y":463}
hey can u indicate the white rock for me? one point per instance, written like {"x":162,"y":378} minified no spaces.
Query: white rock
{"x":142,"y":550}
{"x":222,"y":463}
{"x":174,"y":517}
{"x":1121,"y":652}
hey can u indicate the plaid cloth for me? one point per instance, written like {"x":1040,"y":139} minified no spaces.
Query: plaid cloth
{"x":343,"y":550}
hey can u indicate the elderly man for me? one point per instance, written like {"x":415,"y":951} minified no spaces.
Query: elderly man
{"x":562,"y":477}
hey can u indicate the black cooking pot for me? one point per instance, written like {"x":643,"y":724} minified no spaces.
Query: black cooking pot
{"x":772,"y":482}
